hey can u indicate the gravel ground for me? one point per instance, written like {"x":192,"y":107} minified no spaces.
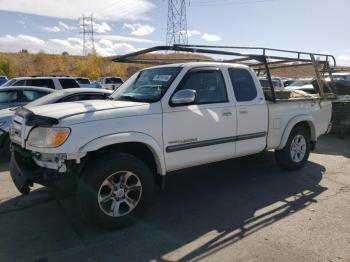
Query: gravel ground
{"x":246,"y":209}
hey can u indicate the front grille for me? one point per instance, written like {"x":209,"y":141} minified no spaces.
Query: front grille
{"x":16,"y":130}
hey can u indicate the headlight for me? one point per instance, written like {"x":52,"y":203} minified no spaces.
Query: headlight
{"x":48,"y":136}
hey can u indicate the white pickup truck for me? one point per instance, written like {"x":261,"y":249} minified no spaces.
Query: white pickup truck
{"x":162,"y":119}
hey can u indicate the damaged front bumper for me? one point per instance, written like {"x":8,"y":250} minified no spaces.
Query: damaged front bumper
{"x":27,"y":168}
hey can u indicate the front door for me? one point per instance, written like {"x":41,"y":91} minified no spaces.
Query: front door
{"x":202,"y":132}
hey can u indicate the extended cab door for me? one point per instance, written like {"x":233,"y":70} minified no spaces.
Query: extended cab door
{"x":252,"y":111}
{"x":205,"y":131}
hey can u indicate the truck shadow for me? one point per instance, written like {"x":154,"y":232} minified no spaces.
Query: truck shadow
{"x":202,"y":211}
{"x":207,"y":208}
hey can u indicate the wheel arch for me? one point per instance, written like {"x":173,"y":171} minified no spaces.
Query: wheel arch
{"x":303,"y":120}
{"x":140,"y":145}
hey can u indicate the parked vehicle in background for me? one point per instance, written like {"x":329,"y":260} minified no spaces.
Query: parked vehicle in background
{"x":3,"y":80}
{"x":276,"y":81}
{"x":304,"y":84}
{"x":67,"y":95}
{"x":52,"y":82}
{"x":85,"y":82}
{"x":288,"y":82}
{"x":162,"y":119}
{"x":111,"y":82}
{"x":15,"y":96}
{"x":341,"y":76}
{"x":341,"y":106}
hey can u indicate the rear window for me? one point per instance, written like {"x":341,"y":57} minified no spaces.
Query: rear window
{"x":48,"y":83}
{"x":17,"y":83}
{"x":243,"y":84}
{"x":68,"y":83}
{"x":114,"y":80}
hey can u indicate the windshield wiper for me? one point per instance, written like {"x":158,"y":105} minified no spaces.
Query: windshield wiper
{"x":130,"y":98}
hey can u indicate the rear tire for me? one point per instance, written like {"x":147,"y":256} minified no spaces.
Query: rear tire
{"x":296,"y":152}
{"x":115,"y":190}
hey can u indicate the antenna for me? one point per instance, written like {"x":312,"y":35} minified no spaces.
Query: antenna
{"x":177,"y":23}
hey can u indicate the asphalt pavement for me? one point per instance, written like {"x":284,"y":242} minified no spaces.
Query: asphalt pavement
{"x":245,"y":209}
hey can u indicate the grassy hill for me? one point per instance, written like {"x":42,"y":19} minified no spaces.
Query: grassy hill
{"x":26,"y":64}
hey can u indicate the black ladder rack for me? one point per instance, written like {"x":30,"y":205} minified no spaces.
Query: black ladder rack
{"x":258,"y":58}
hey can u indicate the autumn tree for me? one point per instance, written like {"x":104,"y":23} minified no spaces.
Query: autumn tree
{"x":89,"y":66}
{"x":7,"y":66}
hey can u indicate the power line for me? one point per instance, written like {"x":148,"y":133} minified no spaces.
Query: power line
{"x":228,"y":2}
{"x":87,"y":24}
{"x":177,"y":23}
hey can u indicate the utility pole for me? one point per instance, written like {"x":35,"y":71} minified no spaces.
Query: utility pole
{"x":177,"y":23}
{"x":86,"y":24}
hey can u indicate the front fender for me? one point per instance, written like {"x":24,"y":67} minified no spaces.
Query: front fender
{"x":118,"y":138}
{"x":292,"y":123}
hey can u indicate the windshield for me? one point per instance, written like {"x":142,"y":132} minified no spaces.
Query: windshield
{"x":9,"y":83}
{"x":148,"y":85}
{"x":114,"y":80}
{"x":48,"y":99}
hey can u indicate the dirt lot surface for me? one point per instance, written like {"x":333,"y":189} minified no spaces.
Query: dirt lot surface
{"x":246,"y":209}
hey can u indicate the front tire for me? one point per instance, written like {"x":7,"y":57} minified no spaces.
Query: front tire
{"x":115,"y":190}
{"x":5,"y":153}
{"x":296,"y":152}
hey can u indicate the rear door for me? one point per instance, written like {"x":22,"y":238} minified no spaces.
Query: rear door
{"x":252,"y":111}
{"x":205,"y":131}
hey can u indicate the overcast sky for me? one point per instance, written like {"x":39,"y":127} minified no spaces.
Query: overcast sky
{"x":128,"y":25}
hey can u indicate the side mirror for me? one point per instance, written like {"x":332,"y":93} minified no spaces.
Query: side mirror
{"x":184,"y":97}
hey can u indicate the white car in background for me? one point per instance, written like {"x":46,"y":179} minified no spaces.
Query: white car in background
{"x":67,"y":95}
{"x":111,"y":82}
{"x":304,"y":84}
{"x":52,"y":82}
{"x":276,"y":81}
{"x":344,"y":76}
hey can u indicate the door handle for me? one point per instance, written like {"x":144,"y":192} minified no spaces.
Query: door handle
{"x":226,"y":113}
{"x":243,"y":110}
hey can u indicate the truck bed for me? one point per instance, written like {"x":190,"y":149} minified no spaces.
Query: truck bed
{"x":286,"y":111}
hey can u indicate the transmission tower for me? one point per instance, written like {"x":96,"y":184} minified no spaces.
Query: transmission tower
{"x":177,"y":23}
{"x":86,"y":24}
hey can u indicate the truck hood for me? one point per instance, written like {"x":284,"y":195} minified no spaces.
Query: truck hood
{"x":64,"y":110}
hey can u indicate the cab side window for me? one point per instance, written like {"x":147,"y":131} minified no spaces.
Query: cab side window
{"x":209,"y":85}
{"x":243,"y":84}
